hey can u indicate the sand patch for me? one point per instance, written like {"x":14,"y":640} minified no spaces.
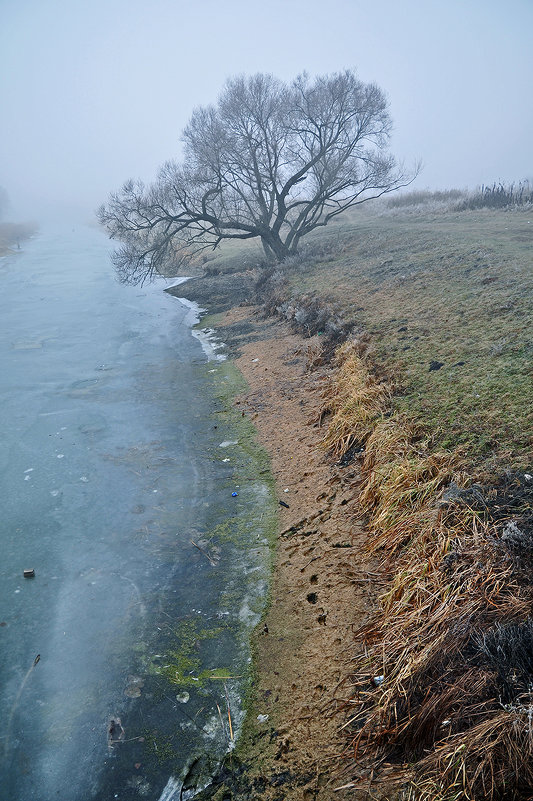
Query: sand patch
{"x":322,"y":588}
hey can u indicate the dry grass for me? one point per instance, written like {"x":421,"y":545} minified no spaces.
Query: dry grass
{"x":403,"y":479}
{"x":494,"y":761}
{"x":456,"y":603}
{"x":355,"y":402}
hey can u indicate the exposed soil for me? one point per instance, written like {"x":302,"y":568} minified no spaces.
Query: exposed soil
{"x":218,"y":292}
{"x":322,"y":586}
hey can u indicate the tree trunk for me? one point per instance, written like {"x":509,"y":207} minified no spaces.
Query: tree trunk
{"x":269,"y":253}
{"x":274,"y":247}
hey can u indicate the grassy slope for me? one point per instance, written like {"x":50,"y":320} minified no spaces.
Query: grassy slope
{"x":454,"y":288}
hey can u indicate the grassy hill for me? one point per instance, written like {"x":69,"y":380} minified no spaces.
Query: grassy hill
{"x":447,"y":301}
{"x":444,"y":300}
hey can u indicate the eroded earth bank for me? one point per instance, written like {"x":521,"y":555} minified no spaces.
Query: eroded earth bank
{"x":293,"y":745}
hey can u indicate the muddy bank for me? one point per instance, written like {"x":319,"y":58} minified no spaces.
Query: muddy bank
{"x":292,"y":746}
{"x":218,"y":293}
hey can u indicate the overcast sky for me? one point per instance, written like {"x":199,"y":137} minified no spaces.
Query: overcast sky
{"x":93,"y":92}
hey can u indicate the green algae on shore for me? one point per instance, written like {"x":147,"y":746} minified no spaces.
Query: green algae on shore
{"x":210,"y":659}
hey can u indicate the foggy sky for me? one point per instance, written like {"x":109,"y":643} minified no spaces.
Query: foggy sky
{"x":93,"y":93}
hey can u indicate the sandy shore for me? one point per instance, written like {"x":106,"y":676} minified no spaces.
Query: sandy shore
{"x":321,"y":588}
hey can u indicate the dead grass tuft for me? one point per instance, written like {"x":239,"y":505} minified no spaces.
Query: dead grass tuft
{"x":494,"y":761}
{"x":403,"y":479}
{"x":354,"y":402}
{"x":452,"y":638}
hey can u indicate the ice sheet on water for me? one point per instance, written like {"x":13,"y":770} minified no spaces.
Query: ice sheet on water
{"x":206,"y":336}
{"x":172,"y":790}
{"x":177,"y":281}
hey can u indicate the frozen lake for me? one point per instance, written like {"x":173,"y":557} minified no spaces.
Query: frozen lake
{"x":118,"y":658}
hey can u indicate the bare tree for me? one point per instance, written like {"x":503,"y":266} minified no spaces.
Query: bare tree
{"x":269,"y":160}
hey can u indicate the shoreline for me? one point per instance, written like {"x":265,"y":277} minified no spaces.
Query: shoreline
{"x":318,"y":726}
{"x":445,"y":495}
{"x":291,"y":744}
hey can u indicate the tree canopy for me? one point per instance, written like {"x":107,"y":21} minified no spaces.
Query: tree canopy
{"x":269,"y":160}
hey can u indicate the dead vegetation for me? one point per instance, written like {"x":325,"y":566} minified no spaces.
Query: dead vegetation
{"x":307,"y":314}
{"x":356,"y":401}
{"x":497,"y":195}
{"x":444,"y":678}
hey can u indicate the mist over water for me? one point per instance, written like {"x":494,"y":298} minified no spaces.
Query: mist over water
{"x":110,"y":465}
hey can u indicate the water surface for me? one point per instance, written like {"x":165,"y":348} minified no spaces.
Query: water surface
{"x":117,"y":660}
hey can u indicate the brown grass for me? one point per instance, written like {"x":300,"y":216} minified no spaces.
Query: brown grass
{"x":440,"y":704}
{"x":355,"y":402}
{"x":494,"y":761}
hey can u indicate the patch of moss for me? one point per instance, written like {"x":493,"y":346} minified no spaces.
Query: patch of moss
{"x":161,"y":748}
{"x":210,"y":321}
{"x":250,"y":461}
{"x":182,"y":665}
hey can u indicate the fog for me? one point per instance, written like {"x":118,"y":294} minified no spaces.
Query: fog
{"x":95,"y":93}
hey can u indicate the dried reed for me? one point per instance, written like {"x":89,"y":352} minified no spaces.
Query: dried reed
{"x":452,"y":635}
{"x":355,"y":401}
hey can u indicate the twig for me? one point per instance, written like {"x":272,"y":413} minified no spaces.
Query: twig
{"x":229,"y":714}
{"x":220,"y":717}
{"x":223,"y":677}
{"x":207,"y":556}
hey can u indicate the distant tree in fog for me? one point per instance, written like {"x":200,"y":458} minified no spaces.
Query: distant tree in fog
{"x":269,"y":160}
